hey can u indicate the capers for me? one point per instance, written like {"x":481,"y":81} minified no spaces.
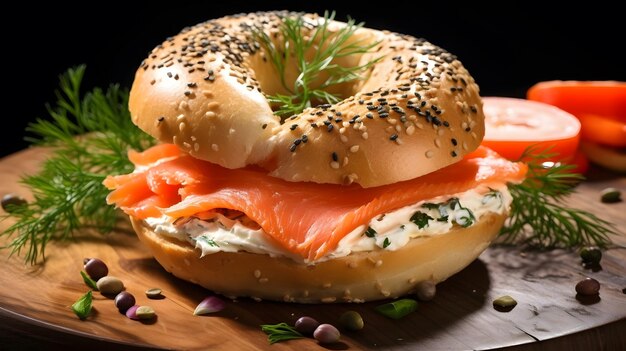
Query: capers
{"x":306,"y":325}
{"x":610,"y":195}
{"x":504,"y":303}
{"x":351,"y":320}
{"x":124,"y":301}
{"x":426,"y":290}
{"x":588,"y":287}
{"x":95,"y":268}
{"x":145,"y":312}
{"x":11,"y":201}
{"x":326,"y":334}
{"x":110,"y":285}
{"x":591,"y":255}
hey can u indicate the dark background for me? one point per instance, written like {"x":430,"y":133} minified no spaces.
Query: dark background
{"x":507,"y":47}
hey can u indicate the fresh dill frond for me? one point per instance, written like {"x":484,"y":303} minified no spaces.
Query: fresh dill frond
{"x":314,"y":52}
{"x":539,"y":216}
{"x":89,"y":138}
{"x":280,"y":332}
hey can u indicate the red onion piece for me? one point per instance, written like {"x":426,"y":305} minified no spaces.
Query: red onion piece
{"x":132,"y":312}
{"x":210,"y":304}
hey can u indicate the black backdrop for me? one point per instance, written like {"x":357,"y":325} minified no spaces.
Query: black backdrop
{"x":507,"y":47}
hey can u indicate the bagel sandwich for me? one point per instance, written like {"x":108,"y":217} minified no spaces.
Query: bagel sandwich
{"x":354,"y":201}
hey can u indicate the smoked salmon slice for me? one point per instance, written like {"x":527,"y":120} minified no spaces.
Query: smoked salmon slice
{"x":307,"y":219}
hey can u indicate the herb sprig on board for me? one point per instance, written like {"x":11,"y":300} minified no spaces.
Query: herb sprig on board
{"x":539,"y":216}
{"x":89,"y":136}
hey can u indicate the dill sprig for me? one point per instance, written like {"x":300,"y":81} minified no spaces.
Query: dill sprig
{"x":539,"y":216}
{"x":313,"y":55}
{"x":89,"y":137}
{"x":280,"y":332}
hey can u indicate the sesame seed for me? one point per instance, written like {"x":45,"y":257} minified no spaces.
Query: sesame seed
{"x":215,"y":147}
{"x":354,"y":148}
{"x":334,"y":165}
{"x":393,"y":137}
{"x":430,"y":154}
{"x":334,"y":156}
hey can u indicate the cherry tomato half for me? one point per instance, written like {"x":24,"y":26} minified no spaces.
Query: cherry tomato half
{"x":512,"y":125}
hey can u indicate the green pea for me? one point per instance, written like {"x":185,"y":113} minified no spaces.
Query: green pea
{"x":153,"y":293}
{"x":610,"y":195}
{"x":110,"y":285}
{"x":145,"y":312}
{"x":351,"y":320}
{"x":504,"y":303}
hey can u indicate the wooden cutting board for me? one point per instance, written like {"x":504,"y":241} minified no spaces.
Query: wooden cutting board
{"x":36,"y":300}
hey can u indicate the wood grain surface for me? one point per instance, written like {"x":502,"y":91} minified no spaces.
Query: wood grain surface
{"x":35,"y":300}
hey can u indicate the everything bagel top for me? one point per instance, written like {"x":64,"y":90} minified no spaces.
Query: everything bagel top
{"x":416,"y":109}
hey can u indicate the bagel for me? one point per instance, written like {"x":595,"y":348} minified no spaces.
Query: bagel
{"x":357,"y":201}
{"x":417,"y":109}
{"x":359,"y":277}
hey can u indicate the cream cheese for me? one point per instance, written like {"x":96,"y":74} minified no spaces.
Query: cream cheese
{"x":389,"y":231}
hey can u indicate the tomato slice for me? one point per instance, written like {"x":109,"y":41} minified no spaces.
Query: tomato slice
{"x":604,"y":98}
{"x":512,"y":125}
{"x":599,"y":105}
{"x":602,"y":130}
